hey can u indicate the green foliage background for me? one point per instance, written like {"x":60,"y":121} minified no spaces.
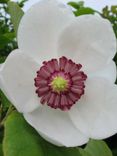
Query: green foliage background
{"x":17,"y":138}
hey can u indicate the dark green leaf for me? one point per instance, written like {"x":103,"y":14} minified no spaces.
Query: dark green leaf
{"x":84,"y":152}
{"x":98,"y":148}
{"x":16,"y":14}
{"x":4,"y":1}
{"x":2,"y":59}
{"x":22,"y":140}
{"x":9,"y":36}
{"x":51,"y":150}
{"x":4,"y":101}
{"x":115,"y":152}
{"x":21,"y":3}
{"x":3,"y":41}
{"x":1,"y":152}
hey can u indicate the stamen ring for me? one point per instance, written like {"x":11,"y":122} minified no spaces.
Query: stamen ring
{"x":60,"y":84}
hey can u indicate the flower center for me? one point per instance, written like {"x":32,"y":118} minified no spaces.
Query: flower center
{"x":60,"y":84}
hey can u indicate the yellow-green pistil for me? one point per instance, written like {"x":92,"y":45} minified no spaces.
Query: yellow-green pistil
{"x":59,"y":84}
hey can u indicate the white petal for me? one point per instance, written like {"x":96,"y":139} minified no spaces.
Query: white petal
{"x":96,"y":113}
{"x":17,"y":81}
{"x":56,"y":126}
{"x":89,"y":40}
{"x":49,"y":139}
{"x":40,"y":26}
{"x":108,"y":71}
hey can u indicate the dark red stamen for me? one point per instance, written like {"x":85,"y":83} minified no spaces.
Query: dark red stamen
{"x":74,"y":87}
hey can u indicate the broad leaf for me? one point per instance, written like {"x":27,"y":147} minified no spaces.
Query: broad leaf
{"x":22,"y":140}
{"x":98,"y":148}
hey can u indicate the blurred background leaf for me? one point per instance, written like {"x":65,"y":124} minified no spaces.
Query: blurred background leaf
{"x":1,"y":152}
{"x":8,"y":25}
{"x":111,"y":15}
{"x":80,"y":9}
{"x":16,"y":14}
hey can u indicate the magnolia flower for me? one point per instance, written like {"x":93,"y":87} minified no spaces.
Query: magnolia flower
{"x":62,"y":76}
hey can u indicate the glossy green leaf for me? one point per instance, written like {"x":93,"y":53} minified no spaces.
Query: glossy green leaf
{"x":16,"y":14}
{"x":22,"y":140}
{"x":98,"y":148}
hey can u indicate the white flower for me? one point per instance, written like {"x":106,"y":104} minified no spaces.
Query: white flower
{"x":50,"y":30}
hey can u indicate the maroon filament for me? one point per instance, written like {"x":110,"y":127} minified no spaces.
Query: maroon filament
{"x":69,"y":71}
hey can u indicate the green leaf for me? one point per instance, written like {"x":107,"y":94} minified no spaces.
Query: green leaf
{"x":81,"y":3}
{"x":83,"y":152}
{"x":52,"y":150}
{"x":114,"y":9}
{"x":84,"y":10}
{"x":4,"y":101}
{"x":1,"y":152}
{"x":98,"y":148}
{"x":76,"y":5}
{"x":9,"y":36}
{"x":5,"y":39}
{"x":4,"y":1}
{"x":21,"y":3}
{"x":16,"y":14}
{"x":114,"y":152}
{"x":22,"y":140}
{"x":2,"y":59}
